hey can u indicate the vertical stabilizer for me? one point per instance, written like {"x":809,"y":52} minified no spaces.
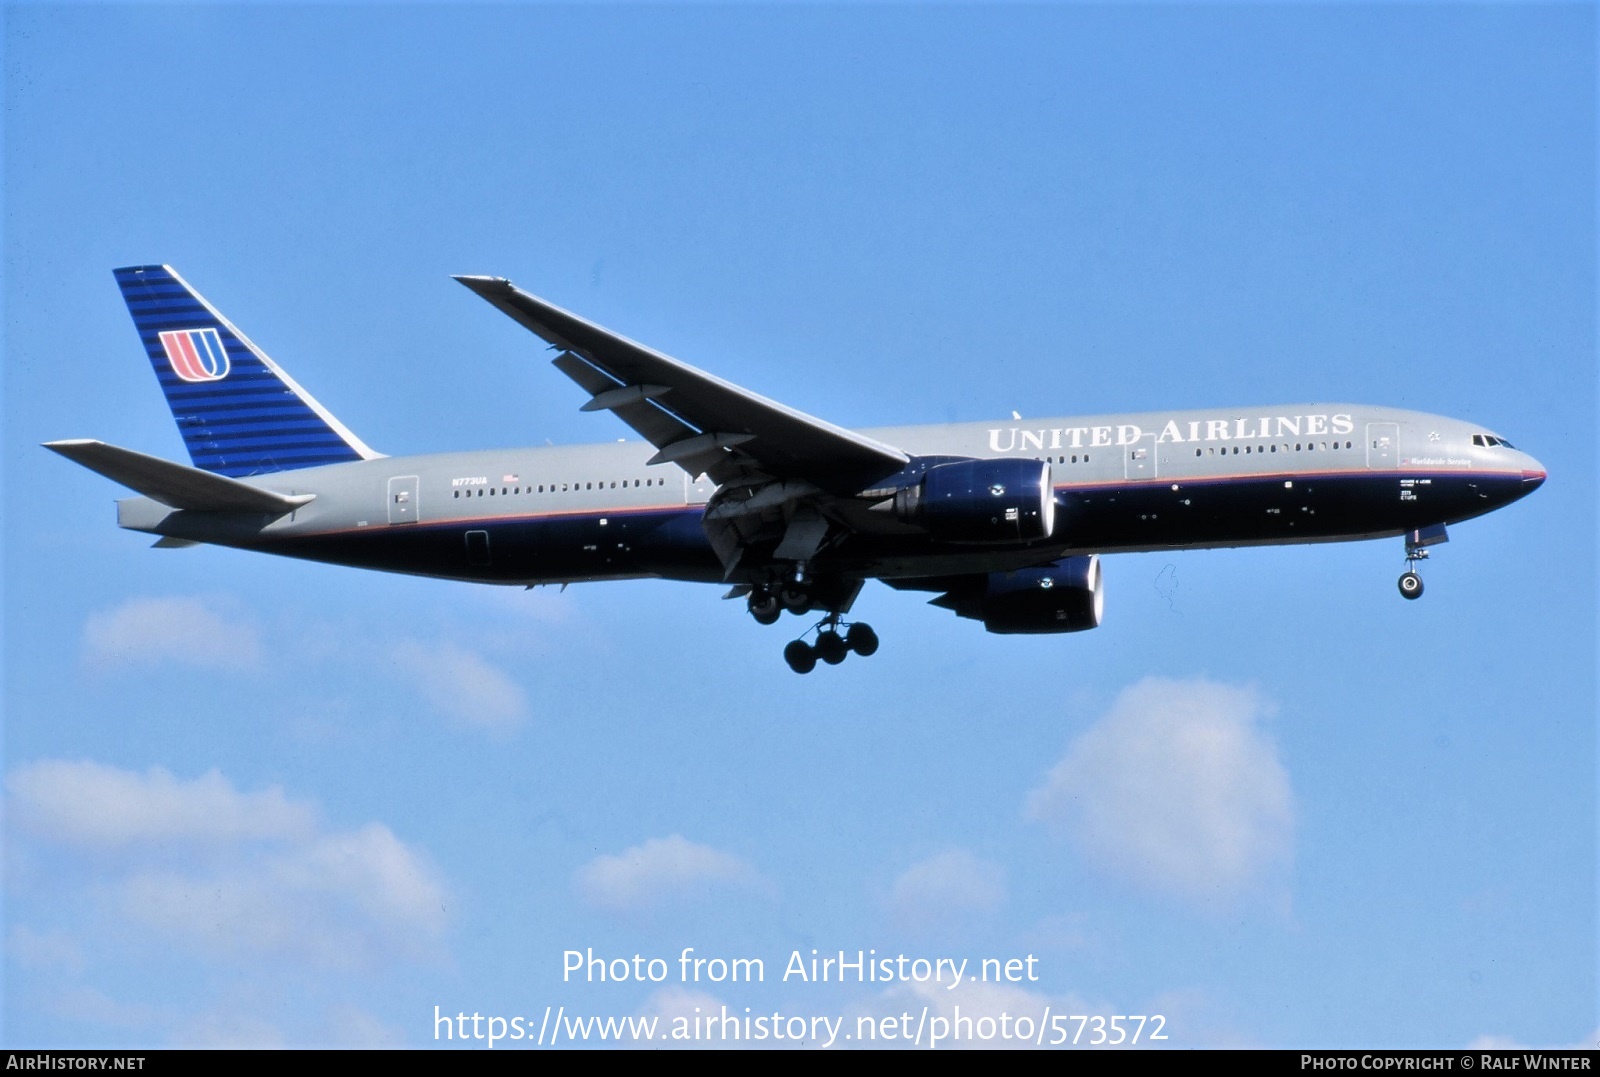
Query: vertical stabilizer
{"x":238,"y":412}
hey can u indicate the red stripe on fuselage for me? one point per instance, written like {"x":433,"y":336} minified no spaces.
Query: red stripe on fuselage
{"x":1283,"y":476}
{"x":636,"y":510}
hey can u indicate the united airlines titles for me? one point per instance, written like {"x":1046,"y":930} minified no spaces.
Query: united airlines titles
{"x":1017,"y":439}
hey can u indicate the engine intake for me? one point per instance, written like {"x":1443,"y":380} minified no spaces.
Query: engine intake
{"x":1067,"y":596}
{"x":981,"y":501}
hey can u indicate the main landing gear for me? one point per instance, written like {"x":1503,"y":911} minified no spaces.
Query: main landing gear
{"x":768,"y":601}
{"x":835,"y":639}
{"x":831,"y":646}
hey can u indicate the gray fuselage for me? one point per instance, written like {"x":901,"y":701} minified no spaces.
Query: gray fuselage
{"x":1155,"y":480}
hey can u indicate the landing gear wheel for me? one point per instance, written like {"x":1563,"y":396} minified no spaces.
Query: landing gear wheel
{"x":796,"y":599}
{"x":764,"y":607}
{"x":862,"y":639}
{"x":800,"y":656}
{"x":1411,"y":585}
{"x":831,"y":647}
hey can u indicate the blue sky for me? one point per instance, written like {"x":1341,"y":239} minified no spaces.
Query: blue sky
{"x":256,"y":801}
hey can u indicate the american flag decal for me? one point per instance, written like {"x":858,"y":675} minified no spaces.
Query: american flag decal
{"x":196,"y":354}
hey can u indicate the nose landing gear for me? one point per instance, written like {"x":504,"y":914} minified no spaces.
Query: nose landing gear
{"x":831,"y":647}
{"x":1417,"y":543}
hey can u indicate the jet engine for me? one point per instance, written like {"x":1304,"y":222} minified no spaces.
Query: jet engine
{"x":981,"y":501}
{"x":1066,"y":596}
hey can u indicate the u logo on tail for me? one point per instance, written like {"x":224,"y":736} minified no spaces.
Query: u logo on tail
{"x":196,"y":354}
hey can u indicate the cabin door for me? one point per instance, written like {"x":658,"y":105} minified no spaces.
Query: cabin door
{"x":1140,"y":461}
{"x":403,"y":499}
{"x":1383,"y":443}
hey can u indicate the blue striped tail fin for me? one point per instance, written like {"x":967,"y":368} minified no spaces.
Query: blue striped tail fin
{"x":238,"y":412}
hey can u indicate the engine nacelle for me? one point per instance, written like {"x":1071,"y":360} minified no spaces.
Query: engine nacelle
{"x":982,"y":501}
{"x":1067,"y":596}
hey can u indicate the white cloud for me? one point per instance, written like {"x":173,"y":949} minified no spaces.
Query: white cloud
{"x":93,"y":1006}
{"x":92,"y":806}
{"x":53,"y":951}
{"x":1491,"y":1042}
{"x":344,"y":899}
{"x":351,"y":1026}
{"x":231,"y":874}
{"x":1177,"y":787}
{"x":947,"y":888}
{"x":188,"y":631}
{"x":661,"y":869}
{"x":463,"y":684}
{"x":227,"y":1030}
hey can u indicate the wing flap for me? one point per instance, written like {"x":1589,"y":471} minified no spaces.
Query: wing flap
{"x":175,"y":485}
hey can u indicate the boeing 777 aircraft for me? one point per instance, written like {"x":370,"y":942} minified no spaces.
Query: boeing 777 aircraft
{"x":1004,"y":522}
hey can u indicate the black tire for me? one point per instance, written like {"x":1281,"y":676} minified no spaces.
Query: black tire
{"x":801,"y":658}
{"x":862,"y":639}
{"x":796,"y":599}
{"x":764,"y":607}
{"x":1411,"y":585}
{"x":831,"y":647}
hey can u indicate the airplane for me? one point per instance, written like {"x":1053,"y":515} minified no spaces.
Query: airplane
{"x":1002,"y":522}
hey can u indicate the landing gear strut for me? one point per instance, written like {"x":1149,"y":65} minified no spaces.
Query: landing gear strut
{"x":1417,"y":543}
{"x":831,"y":647}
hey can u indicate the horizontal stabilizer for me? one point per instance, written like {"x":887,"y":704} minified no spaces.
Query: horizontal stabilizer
{"x":177,"y":485}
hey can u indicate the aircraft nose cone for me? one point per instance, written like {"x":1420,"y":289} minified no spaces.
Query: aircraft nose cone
{"x":1533,"y":475}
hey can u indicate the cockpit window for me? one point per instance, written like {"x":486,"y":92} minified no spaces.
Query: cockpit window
{"x":1488,"y":440}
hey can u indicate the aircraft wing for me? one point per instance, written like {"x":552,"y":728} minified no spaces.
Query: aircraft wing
{"x":695,"y":419}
